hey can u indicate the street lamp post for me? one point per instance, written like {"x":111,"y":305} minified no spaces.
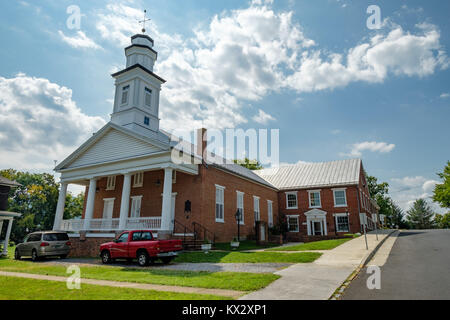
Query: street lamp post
{"x":238,"y":217}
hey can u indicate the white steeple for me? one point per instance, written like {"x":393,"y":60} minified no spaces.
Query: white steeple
{"x":136,"y":103}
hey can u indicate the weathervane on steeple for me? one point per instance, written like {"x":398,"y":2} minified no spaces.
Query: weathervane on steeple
{"x":144,"y":21}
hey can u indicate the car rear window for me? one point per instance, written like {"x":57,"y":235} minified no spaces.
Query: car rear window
{"x":56,"y":237}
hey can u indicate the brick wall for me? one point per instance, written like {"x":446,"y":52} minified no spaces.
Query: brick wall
{"x":200,"y":190}
{"x":327,"y":201}
{"x":88,"y":247}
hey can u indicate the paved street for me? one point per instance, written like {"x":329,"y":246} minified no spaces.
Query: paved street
{"x":417,"y":268}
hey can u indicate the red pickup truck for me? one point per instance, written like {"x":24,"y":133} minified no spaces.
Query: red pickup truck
{"x":140,"y":245}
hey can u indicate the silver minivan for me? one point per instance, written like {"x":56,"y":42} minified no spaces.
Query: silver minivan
{"x":44,"y":244}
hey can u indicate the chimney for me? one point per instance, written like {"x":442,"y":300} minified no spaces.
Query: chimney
{"x":202,"y":141}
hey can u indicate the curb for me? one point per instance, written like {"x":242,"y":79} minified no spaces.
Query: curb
{"x":370,"y":255}
{"x":340,"y":290}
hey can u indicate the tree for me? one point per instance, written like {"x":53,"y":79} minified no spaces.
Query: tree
{"x":249,"y":164}
{"x":36,"y":200}
{"x":397,"y":217}
{"x":442,"y":221}
{"x":442,"y":191}
{"x":420,"y":216}
{"x":380,"y":193}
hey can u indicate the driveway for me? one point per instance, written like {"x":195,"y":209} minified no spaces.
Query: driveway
{"x":417,"y":268}
{"x":210,"y":267}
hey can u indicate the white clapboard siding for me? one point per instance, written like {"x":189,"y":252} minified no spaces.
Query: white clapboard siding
{"x":114,"y":145}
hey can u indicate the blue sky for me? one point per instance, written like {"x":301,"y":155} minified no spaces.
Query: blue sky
{"x":334,"y":88}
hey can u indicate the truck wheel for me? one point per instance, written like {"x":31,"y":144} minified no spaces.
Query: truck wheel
{"x":167,"y":260}
{"x":17,"y":255}
{"x":143,"y":258}
{"x":106,"y":257}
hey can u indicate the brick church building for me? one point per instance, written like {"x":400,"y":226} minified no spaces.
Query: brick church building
{"x":133,"y":182}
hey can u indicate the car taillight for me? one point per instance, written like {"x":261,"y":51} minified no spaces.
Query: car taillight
{"x":68,"y":243}
{"x":45,"y":244}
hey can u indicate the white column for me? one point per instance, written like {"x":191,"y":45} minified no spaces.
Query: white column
{"x":325,"y":226}
{"x":8,"y":234}
{"x":308,"y":226}
{"x":59,"y":215}
{"x":90,"y":203}
{"x":125,"y":203}
{"x":167,"y":200}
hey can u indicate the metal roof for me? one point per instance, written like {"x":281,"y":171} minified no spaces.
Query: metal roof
{"x":313,"y":175}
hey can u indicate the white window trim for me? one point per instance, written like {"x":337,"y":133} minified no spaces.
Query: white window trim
{"x":287,"y":200}
{"x":270,"y":216}
{"x":151,"y":97}
{"x":111,"y":183}
{"x":238,"y":193}
{"x":298,"y":223}
{"x":254,"y":208}
{"x":222,"y":188}
{"x":128,"y":89}
{"x":345,"y":196}
{"x":140,"y":206}
{"x":320,"y":199}
{"x":138,"y":184}
{"x":336,"y":220}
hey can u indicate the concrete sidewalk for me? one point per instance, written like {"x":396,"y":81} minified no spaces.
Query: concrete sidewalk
{"x":319,"y":280}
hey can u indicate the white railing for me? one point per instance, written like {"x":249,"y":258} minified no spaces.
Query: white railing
{"x":72,"y":225}
{"x":151,"y":223}
{"x":76,"y":225}
{"x":104,"y":224}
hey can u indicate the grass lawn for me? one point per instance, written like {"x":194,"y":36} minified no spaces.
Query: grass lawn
{"x":243,"y":246}
{"x":213,"y":280}
{"x":248,"y":257}
{"x":30,"y":289}
{"x":317,"y":245}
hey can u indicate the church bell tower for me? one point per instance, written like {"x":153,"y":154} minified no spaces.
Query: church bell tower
{"x":136,"y":102}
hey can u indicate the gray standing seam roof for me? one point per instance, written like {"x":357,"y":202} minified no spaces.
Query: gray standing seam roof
{"x":312,"y":175}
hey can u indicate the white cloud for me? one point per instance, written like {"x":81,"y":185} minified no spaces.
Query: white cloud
{"x":79,"y":41}
{"x":358,"y":148}
{"x":262,"y":117}
{"x":445,"y":95}
{"x":245,"y":54}
{"x":39,"y":123}
{"x":336,"y":132}
{"x":406,"y":190}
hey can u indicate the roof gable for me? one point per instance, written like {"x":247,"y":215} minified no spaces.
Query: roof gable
{"x":111,"y":143}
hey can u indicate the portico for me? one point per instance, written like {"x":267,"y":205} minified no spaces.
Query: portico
{"x":316,"y":222}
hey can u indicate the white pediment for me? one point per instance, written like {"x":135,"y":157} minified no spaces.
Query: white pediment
{"x":112,"y":145}
{"x":315,"y":213}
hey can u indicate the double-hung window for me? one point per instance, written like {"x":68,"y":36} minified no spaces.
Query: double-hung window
{"x":293,"y":225}
{"x":291,"y":200}
{"x":111,"y":183}
{"x":220,"y":195}
{"x":148,"y":97}
{"x":136,"y":207}
{"x":138,"y":180}
{"x":314,"y":199}
{"x":240,"y":204}
{"x":256,"y":208}
{"x":340,"y":198}
{"x":270,"y":213}
{"x":125,"y":94}
{"x":342,"y":223}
